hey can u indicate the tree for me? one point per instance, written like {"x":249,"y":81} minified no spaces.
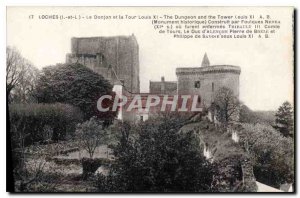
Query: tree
{"x":42,"y":121}
{"x":20,"y":74}
{"x":23,"y":92}
{"x":91,"y":135}
{"x":247,"y":115}
{"x":77,"y":85}
{"x":155,"y":157}
{"x":272,"y":154}
{"x":226,"y":105}
{"x":284,"y":120}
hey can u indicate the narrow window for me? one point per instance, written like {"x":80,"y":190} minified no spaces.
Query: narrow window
{"x":197,"y":84}
{"x":212,"y":87}
{"x":101,"y":59}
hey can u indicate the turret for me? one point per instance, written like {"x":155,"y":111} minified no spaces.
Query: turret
{"x":205,"y":61}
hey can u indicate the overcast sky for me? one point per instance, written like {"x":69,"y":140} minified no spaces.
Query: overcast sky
{"x":266,"y":79}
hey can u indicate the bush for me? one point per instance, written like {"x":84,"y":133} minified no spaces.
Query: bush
{"x":272,"y":153}
{"x":38,"y":122}
{"x":89,"y":165}
{"x":77,"y":85}
{"x":90,"y":135}
{"x":155,"y":157}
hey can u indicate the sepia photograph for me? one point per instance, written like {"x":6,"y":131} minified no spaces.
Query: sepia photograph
{"x":150,"y":99}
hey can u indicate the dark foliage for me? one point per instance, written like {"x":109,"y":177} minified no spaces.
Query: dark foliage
{"x":32,"y":123}
{"x":226,"y":105}
{"x":89,"y":166}
{"x":284,"y":120}
{"x":272,"y":154}
{"x":77,"y":85}
{"x":158,"y":158}
{"x":262,"y":117}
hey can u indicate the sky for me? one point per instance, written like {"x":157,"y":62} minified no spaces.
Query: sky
{"x":266,"y":79}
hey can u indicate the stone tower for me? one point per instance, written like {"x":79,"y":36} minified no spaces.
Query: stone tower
{"x":207,"y":80}
{"x":115,"y":58}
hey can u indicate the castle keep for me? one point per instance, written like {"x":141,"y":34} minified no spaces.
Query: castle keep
{"x":115,"y":58}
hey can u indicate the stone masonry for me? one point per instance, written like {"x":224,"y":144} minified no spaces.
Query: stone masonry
{"x":115,"y":58}
{"x":207,"y":80}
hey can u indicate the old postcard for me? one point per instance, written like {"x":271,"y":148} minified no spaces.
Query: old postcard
{"x":150,"y":99}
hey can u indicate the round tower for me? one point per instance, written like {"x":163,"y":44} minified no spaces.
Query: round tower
{"x":207,"y":80}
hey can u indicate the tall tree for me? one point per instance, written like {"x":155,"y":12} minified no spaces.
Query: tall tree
{"x":20,"y":76}
{"x":77,"y":85}
{"x":226,"y":106}
{"x":284,"y":119}
{"x":23,"y":92}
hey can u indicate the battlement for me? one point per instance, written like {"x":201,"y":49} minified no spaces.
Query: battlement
{"x":92,"y":45}
{"x":209,"y":69}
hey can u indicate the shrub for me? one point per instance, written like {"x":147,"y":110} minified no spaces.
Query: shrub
{"x":77,"y":85}
{"x":34,"y":122}
{"x":89,"y":166}
{"x":157,"y":158}
{"x":90,"y":135}
{"x":272,"y":153}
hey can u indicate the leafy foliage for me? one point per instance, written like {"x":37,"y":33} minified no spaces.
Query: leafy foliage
{"x":227,"y":157}
{"x":34,"y":122}
{"x":228,"y":174}
{"x":285,"y":120}
{"x":273,"y":154}
{"x":158,"y":159}
{"x":254,"y":117}
{"x":77,"y":85}
{"x":247,"y":115}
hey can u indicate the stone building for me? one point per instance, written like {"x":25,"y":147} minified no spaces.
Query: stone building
{"x":115,"y":58}
{"x":163,"y":87}
{"x":207,"y":80}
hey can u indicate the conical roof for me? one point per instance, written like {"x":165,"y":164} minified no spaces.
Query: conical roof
{"x":205,"y":61}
